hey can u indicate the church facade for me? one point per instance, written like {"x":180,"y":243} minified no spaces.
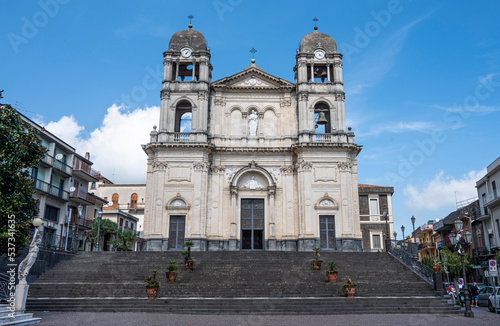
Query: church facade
{"x":252,"y":161}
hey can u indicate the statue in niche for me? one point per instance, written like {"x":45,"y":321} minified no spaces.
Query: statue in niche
{"x":252,"y":123}
{"x":252,"y":183}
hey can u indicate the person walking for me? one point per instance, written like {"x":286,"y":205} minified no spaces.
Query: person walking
{"x":475,"y":294}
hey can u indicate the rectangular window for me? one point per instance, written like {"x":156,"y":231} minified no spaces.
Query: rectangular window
{"x":376,"y":241}
{"x":494,"y":186}
{"x":373,"y":207}
{"x":51,"y":213}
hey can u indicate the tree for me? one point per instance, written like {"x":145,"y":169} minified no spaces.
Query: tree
{"x":453,"y":262}
{"x":19,"y":151}
{"x":124,"y":239}
{"x":107,"y":227}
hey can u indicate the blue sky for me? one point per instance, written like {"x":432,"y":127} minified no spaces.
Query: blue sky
{"x":422,"y":79}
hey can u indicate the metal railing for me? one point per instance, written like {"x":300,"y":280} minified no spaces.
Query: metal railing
{"x":41,"y":185}
{"x":62,"y":167}
{"x":82,"y":166}
{"x":4,"y":287}
{"x":58,"y":192}
{"x":407,"y":259}
{"x":83,"y":194}
{"x":48,"y":159}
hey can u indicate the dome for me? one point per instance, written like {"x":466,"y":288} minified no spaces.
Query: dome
{"x":190,"y":37}
{"x":314,"y":40}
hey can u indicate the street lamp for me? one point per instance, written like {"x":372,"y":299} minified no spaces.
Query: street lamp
{"x":403,"y":230}
{"x":462,"y":243}
{"x":413,"y":223}
{"x":387,"y":239}
{"x":395,"y":235}
{"x":99,"y":215}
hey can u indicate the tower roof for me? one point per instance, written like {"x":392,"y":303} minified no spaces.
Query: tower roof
{"x":188,"y":37}
{"x":314,"y":40}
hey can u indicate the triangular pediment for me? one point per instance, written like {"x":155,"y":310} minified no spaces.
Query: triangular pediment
{"x":254,"y":78}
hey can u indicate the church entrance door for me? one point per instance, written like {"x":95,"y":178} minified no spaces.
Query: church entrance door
{"x":327,"y":231}
{"x":176,"y":233}
{"x":252,"y":224}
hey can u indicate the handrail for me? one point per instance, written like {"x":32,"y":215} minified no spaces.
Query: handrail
{"x":4,"y":286}
{"x":426,"y":273}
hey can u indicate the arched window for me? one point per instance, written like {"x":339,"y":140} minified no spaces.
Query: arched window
{"x":133,"y":201}
{"x":114,"y":199}
{"x":183,"y":117}
{"x":321,"y":110}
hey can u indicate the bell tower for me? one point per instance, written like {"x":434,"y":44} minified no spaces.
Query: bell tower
{"x":187,"y":73}
{"x":320,"y":91}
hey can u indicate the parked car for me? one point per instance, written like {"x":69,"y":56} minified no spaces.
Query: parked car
{"x":494,"y":300}
{"x":484,"y":295}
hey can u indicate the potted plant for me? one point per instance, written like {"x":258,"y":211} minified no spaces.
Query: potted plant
{"x":332,"y":272}
{"x":437,"y":265}
{"x":172,"y":272}
{"x":152,"y":285}
{"x":315,"y":263}
{"x":189,"y":262}
{"x":349,"y":288}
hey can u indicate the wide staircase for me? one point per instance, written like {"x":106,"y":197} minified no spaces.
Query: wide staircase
{"x":234,"y":283}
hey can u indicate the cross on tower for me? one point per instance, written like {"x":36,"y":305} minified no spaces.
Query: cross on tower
{"x":190,"y":17}
{"x":315,"y":21}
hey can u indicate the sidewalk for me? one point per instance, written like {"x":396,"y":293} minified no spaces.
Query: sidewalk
{"x":482,"y":317}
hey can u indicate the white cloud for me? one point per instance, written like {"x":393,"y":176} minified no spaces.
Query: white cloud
{"x":440,"y":192}
{"x":115,"y":146}
{"x":400,"y":127}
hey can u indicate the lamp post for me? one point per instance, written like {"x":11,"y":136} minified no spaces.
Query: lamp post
{"x":413,"y":223}
{"x":395,"y":235}
{"x":67,"y":231}
{"x":99,"y":215}
{"x":461,"y":244}
{"x":403,"y":230}
{"x":387,"y":238}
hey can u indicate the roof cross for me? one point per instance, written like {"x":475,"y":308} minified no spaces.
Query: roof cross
{"x":315,"y":21}
{"x":253,"y":54}
{"x":190,"y":17}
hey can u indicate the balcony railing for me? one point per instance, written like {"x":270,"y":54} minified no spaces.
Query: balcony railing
{"x":480,"y":251}
{"x":80,"y":165}
{"x":48,"y":159}
{"x":42,"y":185}
{"x":425,"y":245}
{"x":63,"y":167}
{"x":322,"y":138}
{"x":82,"y":194}
{"x":80,"y":221}
{"x":399,"y":252}
{"x":182,"y":137}
{"x":60,"y":193}
{"x":494,"y":242}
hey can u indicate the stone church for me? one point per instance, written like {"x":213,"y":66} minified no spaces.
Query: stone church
{"x":252,"y":161}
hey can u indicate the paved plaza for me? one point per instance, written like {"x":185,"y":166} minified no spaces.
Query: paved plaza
{"x":482,"y":317}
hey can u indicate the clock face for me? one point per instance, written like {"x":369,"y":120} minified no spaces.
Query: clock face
{"x":319,"y":54}
{"x":186,"y":53}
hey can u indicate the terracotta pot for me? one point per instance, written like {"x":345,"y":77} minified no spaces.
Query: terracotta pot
{"x":332,"y":276}
{"x":171,"y":276}
{"x":349,"y":292}
{"x":436,"y":268}
{"x":152,"y":292}
{"x":317,"y":265}
{"x":189,"y":265}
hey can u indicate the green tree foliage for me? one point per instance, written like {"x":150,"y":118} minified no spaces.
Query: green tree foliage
{"x":124,"y":239}
{"x":107,"y":227}
{"x":19,"y":151}
{"x":453,"y":262}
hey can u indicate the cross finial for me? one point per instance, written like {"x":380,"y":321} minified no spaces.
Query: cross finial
{"x":315,"y":23}
{"x":253,"y":54}
{"x":190,"y":17}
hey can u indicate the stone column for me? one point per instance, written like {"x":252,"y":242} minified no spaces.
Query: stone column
{"x":328,"y":72}
{"x":234,"y":219}
{"x":271,"y":191}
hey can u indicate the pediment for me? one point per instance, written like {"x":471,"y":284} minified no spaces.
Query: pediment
{"x":252,"y":78}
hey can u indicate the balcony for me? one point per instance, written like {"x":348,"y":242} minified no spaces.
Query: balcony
{"x":480,"y":251}
{"x":83,"y":171}
{"x":47,"y":160}
{"x":494,"y":242}
{"x":41,"y":185}
{"x":80,"y":221}
{"x":178,"y":137}
{"x":51,"y":190}
{"x":425,"y":245}
{"x":63,"y":167}
{"x":59,"y":193}
{"x":81,"y":196}
{"x":492,"y":201}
